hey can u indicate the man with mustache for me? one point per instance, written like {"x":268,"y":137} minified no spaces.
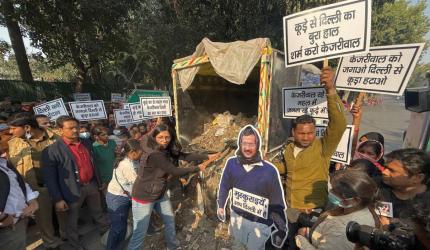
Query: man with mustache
{"x":257,"y":202}
{"x":307,"y":159}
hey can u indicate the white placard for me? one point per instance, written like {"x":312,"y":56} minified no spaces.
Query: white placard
{"x":305,"y":101}
{"x":80,"y":97}
{"x":250,"y":203}
{"x":89,"y":110}
{"x":123,"y":117}
{"x":156,"y":106}
{"x":136,"y":112}
{"x":384,"y":70}
{"x":343,"y":152}
{"x":117,"y":97}
{"x":328,"y":31}
{"x":52,"y":109}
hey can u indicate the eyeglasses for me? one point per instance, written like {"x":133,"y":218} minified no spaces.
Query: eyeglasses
{"x":249,"y":145}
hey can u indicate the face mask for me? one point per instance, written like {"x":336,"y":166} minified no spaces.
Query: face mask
{"x":27,"y":135}
{"x":84,"y":135}
{"x":335,"y":200}
{"x":117,"y":132}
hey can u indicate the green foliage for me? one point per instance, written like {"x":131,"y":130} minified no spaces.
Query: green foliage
{"x":400,"y":23}
{"x":85,"y":33}
{"x":418,"y":78}
{"x":41,"y":70}
{"x":166,"y":30}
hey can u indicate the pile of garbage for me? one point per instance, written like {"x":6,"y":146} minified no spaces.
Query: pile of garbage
{"x":224,"y":127}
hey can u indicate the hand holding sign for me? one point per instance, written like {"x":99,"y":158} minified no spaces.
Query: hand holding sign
{"x":326,"y":79}
{"x":356,"y":112}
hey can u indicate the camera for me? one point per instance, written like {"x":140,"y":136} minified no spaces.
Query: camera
{"x":399,"y":236}
{"x":308,"y":220}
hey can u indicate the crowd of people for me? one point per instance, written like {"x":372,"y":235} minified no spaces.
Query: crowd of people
{"x":49,"y":170}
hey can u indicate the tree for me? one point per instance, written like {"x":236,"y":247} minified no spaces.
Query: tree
{"x":87,"y":33}
{"x":10,"y":18}
{"x":293,"y":6}
{"x":399,"y":23}
{"x":418,"y":78}
{"x":167,"y":30}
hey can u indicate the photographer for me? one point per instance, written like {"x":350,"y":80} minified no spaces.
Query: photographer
{"x":353,"y":194}
{"x":406,"y":175}
{"x":400,"y":234}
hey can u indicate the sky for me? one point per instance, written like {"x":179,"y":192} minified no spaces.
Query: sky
{"x":5,"y":36}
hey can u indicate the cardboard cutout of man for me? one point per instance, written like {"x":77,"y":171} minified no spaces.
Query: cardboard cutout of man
{"x":256,"y":196}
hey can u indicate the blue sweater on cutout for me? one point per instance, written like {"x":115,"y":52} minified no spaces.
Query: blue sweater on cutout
{"x":261,"y":180}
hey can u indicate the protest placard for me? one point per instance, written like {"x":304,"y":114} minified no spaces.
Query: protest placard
{"x":52,"y":109}
{"x":117,"y":97}
{"x":383,"y":70}
{"x":328,"y":31}
{"x":136,"y":112}
{"x":156,"y":106}
{"x":250,"y":203}
{"x":80,"y":97}
{"x":305,"y":100}
{"x":343,"y":152}
{"x":123,"y":117}
{"x":88,"y":110}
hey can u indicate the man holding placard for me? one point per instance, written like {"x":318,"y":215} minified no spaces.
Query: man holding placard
{"x":257,"y":202}
{"x":307,"y":159}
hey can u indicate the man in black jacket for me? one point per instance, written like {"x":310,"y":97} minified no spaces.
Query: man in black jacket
{"x":71,"y":178}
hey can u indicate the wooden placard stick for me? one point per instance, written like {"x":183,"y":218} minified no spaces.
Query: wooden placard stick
{"x":325,"y":63}
{"x":356,"y":119}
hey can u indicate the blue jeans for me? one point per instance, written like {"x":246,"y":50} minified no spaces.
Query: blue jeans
{"x":141,"y":218}
{"x":248,"y":234}
{"x":118,"y":207}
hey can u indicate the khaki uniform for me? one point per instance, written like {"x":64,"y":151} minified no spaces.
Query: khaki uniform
{"x":26,"y":157}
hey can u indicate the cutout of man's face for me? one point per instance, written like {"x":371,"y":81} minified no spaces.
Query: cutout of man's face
{"x":249,"y":146}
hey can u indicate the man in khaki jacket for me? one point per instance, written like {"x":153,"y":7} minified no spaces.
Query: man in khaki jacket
{"x":25,"y":154}
{"x":307,"y":160}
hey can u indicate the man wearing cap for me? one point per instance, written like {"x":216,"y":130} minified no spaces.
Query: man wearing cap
{"x":257,"y":199}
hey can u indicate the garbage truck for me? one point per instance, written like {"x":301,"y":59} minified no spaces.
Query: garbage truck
{"x":219,"y":89}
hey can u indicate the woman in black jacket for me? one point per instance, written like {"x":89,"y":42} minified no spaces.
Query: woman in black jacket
{"x":149,"y":189}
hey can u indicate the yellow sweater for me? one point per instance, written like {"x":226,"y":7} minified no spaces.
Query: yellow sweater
{"x":307,"y":174}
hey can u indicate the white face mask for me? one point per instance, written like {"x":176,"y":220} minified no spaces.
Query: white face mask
{"x":84,"y":135}
{"x":117,"y":132}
